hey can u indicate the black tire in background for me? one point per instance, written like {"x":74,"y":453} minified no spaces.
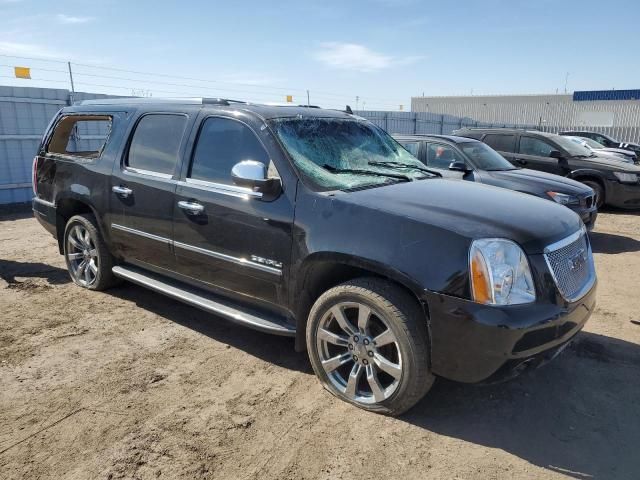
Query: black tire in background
{"x":383,"y":367}
{"x":599,"y":191}
{"x":88,"y":259}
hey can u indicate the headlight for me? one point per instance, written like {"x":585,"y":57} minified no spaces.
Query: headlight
{"x":564,"y":199}
{"x":626,"y":177}
{"x":500,"y":273}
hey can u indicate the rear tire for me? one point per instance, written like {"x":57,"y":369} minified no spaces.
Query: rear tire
{"x":368,"y":344}
{"x":599,"y":191}
{"x":88,"y":259}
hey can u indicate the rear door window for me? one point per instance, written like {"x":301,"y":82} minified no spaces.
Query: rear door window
{"x":501,"y":142}
{"x":80,"y":136}
{"x":440,"y":155}
{"x":535,"y":146}
{"x":156,"y":143}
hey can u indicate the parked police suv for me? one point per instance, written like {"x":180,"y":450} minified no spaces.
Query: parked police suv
{"x":316,"y":224}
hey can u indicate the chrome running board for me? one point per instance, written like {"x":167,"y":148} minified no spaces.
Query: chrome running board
{"x":209,"y":302}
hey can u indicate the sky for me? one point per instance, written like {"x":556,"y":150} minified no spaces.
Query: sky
{"x":373,"y":54}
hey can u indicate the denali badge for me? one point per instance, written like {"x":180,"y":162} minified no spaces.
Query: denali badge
{"x":577,"y":261}
{"x":266,"y":261}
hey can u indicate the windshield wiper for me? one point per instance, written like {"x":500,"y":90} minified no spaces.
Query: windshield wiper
{"x":357,"y":171}
{"x":405,"y":166}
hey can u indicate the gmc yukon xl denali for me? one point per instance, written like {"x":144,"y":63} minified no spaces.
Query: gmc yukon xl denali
{"x":315,"y":224}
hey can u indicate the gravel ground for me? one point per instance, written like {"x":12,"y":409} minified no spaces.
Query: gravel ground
{"x":130,"y":384}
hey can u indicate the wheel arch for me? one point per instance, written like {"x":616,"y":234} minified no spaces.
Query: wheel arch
{"x":67,"y":207}
{"x":589,"y":174}
{"x":324,"y":270}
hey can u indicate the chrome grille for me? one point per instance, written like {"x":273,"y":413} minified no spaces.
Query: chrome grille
{"x":571,"y":263}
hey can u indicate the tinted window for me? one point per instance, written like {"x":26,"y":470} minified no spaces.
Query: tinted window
{"x":221,"y":144}
{"x":156,"y":142}
{"x":535,"y":146}
{"x":441,"y":156}
{"x":412,"y":147}
{"x":501,"y":143}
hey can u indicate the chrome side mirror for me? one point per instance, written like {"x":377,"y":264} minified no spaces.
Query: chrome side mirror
{"x":252,"y":174}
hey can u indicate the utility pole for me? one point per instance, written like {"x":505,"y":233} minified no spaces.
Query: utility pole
{"x":73,"y":90}
{"x":566,"y":79}
{"x":357,"y":100}
{"x":308,"y":102}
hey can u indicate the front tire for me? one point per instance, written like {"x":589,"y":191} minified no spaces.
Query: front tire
{"x":599,"y":191}
{"x":368,"y":344}
{"x":88,"y":259}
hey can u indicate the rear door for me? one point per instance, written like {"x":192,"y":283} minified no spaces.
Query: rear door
{"x":228,"y":237}
{"x":142,"y":190}
{"x":533,"y":152}
{"x":504,"y":144}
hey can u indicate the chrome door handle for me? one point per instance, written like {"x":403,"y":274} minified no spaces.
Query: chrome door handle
{"x":192,"y":208}
{"x":122,"y":191}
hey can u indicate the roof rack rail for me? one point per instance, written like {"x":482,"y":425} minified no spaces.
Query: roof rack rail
{"x":151,"y":100}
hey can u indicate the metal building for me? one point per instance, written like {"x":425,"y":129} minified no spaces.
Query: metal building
{"x":614,"y":112}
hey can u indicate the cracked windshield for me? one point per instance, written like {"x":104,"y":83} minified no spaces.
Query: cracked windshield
{"x":338,"y":154}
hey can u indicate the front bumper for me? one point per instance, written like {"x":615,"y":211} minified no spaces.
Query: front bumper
{"x":623,"y":195}
{"x":475,"y":343}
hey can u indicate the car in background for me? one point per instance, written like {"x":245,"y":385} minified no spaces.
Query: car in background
{"x":466,"y":159}
{"x":616,"y":183}
{"x":605,"y":140}
{"x":597,"y":148}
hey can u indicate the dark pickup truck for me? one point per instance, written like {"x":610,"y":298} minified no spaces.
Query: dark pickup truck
{"x":315,"y":224}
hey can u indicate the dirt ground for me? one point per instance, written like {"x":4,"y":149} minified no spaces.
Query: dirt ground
{"x":130,"y":384}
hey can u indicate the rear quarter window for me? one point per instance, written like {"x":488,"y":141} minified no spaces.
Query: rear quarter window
{"x":80,"y":136}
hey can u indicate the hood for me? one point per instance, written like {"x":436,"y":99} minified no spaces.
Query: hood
{"x":611,"y":164}
{"x":534,"y":182}
{"x":628,"y":153}
{"x":473,"y":210}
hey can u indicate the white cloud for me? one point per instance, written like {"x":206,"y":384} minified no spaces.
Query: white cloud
{"x":71,"y":20}
{"x":352,"y":56}
{"x":29,"y":50}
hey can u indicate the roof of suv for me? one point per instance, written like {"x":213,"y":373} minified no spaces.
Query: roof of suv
{"x":508,"y":130}
{"x":265,"y":111}
{"x":449,"y":138}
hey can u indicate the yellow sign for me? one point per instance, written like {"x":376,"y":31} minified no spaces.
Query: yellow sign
{"x":22,"y":72}
{"x":289,"y":98}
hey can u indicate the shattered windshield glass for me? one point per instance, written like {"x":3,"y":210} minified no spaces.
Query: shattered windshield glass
{"x":343,"y":154}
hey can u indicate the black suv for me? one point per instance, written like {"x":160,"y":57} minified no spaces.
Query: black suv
{"x":616,"y":183}
{"x":468,"y":159}
{"x":315,"y":224}
{"x":604,"y":140}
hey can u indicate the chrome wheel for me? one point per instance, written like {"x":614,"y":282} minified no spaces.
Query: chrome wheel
{"x":82,"y":256}
{"x":359,"y":352}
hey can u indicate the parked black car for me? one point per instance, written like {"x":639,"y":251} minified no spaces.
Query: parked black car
{"x":616,"y":183}
{"x":316,"y":224}
{"x":605,"y":140}
{"x":468,"y":159}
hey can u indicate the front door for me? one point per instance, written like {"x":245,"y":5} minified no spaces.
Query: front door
{"x":228,"y":237}
{"x":142,"y":191}
{"x":439,"y":156}
{"x":534,"y":153}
